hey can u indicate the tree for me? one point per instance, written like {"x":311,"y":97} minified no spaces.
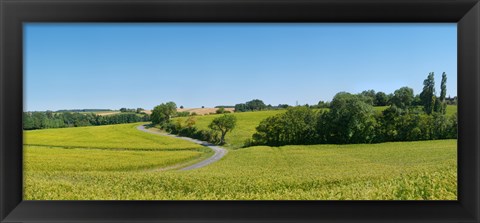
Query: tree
{"x":224,"y":124}
{"x":323,"y":104}
{"x":402,"y":98}
{"x":417,"y":101}
{"x":370,"y":96}
{"x":181,"y":106}
{"x":282,"y":106}
{"x":381,"y":99}
{"x":240,"y":107}
{"x":190,"y":122}
{"x":220,"y":110}
{"x":295,"y":127}
{"x":139,"y":110}
{"x":428,"y":94}
{"x":440,"y":104}
{"x":255,"y":105}
{"x":350,"y":120}
{"x":162,"y":113}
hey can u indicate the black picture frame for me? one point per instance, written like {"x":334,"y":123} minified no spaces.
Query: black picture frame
{"x":466,"y":13}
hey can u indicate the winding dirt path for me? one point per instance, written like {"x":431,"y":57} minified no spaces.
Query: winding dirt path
{"x":219,"y":151}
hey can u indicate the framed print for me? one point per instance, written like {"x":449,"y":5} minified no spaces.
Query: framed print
{"x":155,"y":111}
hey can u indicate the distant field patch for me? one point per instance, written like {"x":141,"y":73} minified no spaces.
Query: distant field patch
{"x":107,"y":113}
{"x":203,"y":111}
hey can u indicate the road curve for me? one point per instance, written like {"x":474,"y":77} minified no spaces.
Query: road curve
{"x":219,"y":151}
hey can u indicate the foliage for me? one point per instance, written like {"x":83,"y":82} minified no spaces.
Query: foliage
{"x":381,"y":99}
{"x":223,"y":124}
{"x":349,"y":120}
{"x":402,"y":98}
{"x":296,"y":126}
{"x":255,"y":105}
{"x":323,"y":104}
{"x":428,"y":94}
{"x":220,"y":110}
{"x":369,"y":96}
{"x":352,"y":119}
{"x":162,"y":113}
{"x":181,"y":114}
{"x":248,"y":121}
{"x":48,"y":119}
{"x":440,"y":104}
{"x":128,"y":110}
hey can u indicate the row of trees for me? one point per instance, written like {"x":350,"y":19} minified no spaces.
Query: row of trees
{"x":49,"y":119}
{"x":253,"y":105}
{"x":132,"y":110}
{"x":353,"y":119}
{"x":257,"y":105}
{"x":427,"y":98}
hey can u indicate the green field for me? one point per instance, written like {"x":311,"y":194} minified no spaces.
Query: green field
{"x":123,"y":136}
{"x":41,"y":158}
{"x":424,"y":170}
{"x":451,"y":110}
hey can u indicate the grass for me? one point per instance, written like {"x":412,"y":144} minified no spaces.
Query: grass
{"x":122,"y":136}
{"x":451,"y":109}
{"x":423,"y":170}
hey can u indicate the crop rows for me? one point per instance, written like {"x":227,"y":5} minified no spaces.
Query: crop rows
{"x":422,"y":170}
{"x":122,"y":136}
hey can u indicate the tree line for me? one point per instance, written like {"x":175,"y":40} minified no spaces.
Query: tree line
{"x":49,"y":119}
{"x":351,"y":118}
{"x":257,"y":105}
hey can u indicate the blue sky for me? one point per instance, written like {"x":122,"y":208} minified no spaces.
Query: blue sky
{"x":73,"y":66}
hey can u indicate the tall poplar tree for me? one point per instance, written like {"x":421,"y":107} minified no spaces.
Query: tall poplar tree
{"x":428,"y":94}
{"x":443,"y":94}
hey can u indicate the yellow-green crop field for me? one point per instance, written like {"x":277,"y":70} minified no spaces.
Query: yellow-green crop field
{"x":41,"y":158}
{"x":123,"y":136}
{"x":390,"y":171}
